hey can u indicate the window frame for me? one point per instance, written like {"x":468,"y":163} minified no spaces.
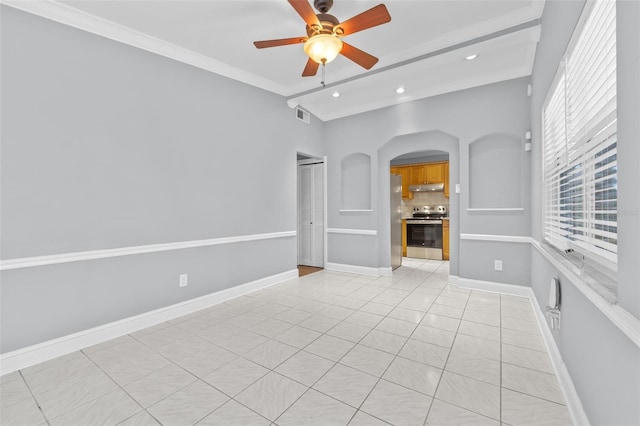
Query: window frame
{"x":567,"y":247}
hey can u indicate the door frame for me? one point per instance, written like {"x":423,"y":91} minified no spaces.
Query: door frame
{"x":313,"y":160}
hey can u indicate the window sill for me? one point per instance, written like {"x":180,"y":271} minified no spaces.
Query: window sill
{"x":598,"y":294}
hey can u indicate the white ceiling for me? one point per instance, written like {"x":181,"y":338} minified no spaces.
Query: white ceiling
{"x":422,"y":48}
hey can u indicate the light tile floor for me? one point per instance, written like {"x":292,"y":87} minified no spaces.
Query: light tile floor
{"x":325,"y":349}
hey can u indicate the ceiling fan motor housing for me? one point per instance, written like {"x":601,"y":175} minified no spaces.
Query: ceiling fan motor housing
{"x":328,"y":24}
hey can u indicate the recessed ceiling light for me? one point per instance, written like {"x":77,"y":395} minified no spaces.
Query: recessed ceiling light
{"x":471,"y":57}
{"x":335,"y":94}
{"x":400,"y":90}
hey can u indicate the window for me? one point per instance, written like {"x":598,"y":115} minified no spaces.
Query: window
{"x":579,"y":131}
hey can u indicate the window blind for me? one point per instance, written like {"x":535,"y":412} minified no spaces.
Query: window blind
{"x":579,"y":131}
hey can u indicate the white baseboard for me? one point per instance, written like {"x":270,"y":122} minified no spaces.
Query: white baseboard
{"x":25,"y":357}
{"x":574,"y":404}
{"x":355,"y":269}
{"x":511,"y":289}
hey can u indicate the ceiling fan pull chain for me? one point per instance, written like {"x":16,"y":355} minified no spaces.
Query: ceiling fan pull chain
{"x":322,"y":82}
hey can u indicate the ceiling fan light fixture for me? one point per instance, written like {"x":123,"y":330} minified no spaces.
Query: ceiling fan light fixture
{"x":323,"y":48}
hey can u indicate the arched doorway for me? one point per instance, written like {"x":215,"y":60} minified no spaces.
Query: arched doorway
{"x":432,"y":140}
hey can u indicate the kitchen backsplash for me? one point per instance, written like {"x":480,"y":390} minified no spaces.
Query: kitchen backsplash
{"x":423,"y":199}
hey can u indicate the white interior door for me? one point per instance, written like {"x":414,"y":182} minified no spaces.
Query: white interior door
{"x":311,"y":215}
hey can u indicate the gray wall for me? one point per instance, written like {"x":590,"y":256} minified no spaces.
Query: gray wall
{"x":108,"y":146}
{"x":603,"y":363}
{"x":448,"y":123}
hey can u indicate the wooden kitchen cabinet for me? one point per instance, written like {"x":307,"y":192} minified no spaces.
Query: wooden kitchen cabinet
{"x":445,"y":239}
{"x":418,"y":174}
{"x":404,"y":238}
{"x":405,"y":173}
{"x":435,"y":173}
{"x":446,"y":180}
{"x":422,"y":174}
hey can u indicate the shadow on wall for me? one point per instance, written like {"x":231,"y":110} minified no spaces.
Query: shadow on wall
{"x":431,"y":140}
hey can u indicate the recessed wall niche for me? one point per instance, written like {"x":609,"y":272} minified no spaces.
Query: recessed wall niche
{"x":495,"y":172}
{"x":356,"y":182}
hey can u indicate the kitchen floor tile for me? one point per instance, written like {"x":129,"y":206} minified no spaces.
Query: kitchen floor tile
{"x":349,"y":331}
{"x":483,"y":331}
{"x":377,"y":308}
{"x":413,"y":375}
{"x":305,"y":367}
{"x":383,"y":341}
{"x":396,"y":326}
{"x":13,"y":392}
{"x":396,"y":404}
{"x":271,"y":354}
{"x":523,"y":340}
{"x":364,"y":319}
{"x":368,"y":360}
{"x":433,"y":335}
{"x":293,"y":316}
{"x":483,"y":347}
{"x":425,"y":353}
{"x":315,"y":408}
{"x":319,"y":323}
{"x":441,"y":322}
{"x":236,"y":376}
{"x":528,"y":358}
{"x":271,"y":395}
{"x":474,"y":365}
{"x":143,"y":418}
{"x":470,"y":394}
{"x":111,"y":408}
{"x":337,"y":312}
{"x":234,"y":414}
{"x":346,"y":384}
{"x":363,"y":419}
{"x":443,"y":414}
{"x":158,"y":385}
{"x":189,"y":405}
{"x":202,"y":363}
{"x":23,"y":413}
{"x":532,"y":382}
{"x":270,"y":327}
{"x":406,"y":315}
{"x":524,"y":410}
{"x":73,"y":393}
{"x":298,"y":337}
{"x":330,"y":347}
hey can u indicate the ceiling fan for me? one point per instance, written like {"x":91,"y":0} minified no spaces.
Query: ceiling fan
{"x":323,"y":41}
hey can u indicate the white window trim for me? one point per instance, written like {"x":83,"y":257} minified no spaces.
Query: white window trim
{"x":608,"y":268}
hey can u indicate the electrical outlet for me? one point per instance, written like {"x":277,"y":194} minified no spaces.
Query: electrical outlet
{"x":183,"y":280}
{"x":497,"y":265}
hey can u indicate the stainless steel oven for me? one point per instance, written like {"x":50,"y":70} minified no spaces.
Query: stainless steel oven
{"x":424,"y":238}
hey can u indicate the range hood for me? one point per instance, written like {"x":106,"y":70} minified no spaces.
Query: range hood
{"x":430,"y":187}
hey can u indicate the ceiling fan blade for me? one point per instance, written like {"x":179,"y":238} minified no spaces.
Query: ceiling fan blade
{"x":358,"y":56}
{"x":375,"y":16}
{"x":311,"y":68}
{"x":305,"y":11}
{"x":279,"y":42}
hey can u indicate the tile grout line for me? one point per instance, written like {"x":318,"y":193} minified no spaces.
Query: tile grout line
{"x":46,"y":419}
{"x":435,"y":391}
